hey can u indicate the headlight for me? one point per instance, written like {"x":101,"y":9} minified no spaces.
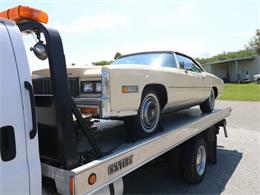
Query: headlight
{"x":98,"y":86}
{"x":91,"y":87}
{"x":87,"y":87}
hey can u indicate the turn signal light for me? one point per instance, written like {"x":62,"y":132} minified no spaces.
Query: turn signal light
{"x":89,"y":110}
{"x":24,"y":13}
{"x":130,"y":89}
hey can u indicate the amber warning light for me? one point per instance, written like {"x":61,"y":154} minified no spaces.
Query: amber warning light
{"x":24,"y":13}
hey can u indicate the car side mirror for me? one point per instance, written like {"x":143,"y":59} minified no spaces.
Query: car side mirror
{"x":182,"y":66}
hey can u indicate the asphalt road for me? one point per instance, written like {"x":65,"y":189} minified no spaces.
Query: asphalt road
{"x":237,"y":170}
{"x":245,"y":115}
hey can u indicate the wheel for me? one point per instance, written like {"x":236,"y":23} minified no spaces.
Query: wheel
{"x":209,"y":104}
{"x":146,"y":122}
{"x":258,"y":81}
{"x":195,"y":161}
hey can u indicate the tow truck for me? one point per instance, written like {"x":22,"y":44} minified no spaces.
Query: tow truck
{"x":76,"y":155}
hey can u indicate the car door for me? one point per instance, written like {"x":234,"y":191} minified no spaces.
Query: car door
{"x":174,"y":79}
{"x":14,"y":171}
{"x":193,"y":76}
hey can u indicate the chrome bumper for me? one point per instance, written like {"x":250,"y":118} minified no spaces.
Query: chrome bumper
{"x":101,"y":104}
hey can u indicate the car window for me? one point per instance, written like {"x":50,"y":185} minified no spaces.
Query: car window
{"x":187,"y":64}
{"x":169,"y":61}
{"x":153,"y":59}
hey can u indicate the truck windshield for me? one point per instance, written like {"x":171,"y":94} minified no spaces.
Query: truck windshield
{"x":153,"y":59}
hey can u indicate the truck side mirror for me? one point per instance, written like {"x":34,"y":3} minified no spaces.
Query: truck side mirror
{"x":40,"y":50}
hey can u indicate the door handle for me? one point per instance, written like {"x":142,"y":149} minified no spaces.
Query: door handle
{"x":29,"y":87}
{"x":7,"y":142}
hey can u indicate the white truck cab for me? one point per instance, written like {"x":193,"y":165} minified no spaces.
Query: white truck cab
{"x":49,"y":138}
{"x":20,"y":169}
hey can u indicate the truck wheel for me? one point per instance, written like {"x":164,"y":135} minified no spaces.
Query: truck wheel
{"x":209,"y":104}
{"x":146,"y":122}
{"x":195,"y":161}
{"x":258,"y":81}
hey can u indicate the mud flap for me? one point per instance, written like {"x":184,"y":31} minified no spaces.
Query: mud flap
{"x":211,"y":139}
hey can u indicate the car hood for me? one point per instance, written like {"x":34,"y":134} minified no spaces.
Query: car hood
{"x":75,"y":71}
{"x":130,"y":66}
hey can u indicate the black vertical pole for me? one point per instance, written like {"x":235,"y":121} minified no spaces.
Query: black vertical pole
{"x":62,"y":99}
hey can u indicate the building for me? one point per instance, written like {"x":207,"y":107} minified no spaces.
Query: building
{"x":235,"y":70}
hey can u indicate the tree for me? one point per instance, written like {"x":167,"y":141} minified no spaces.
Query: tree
{"x":251,"y":49}
{"x":227,"y":55}
{"x":107,"y":62}
{"x":102,"y":62}
{"x":117,"y":55}
{"x":254,"y":43}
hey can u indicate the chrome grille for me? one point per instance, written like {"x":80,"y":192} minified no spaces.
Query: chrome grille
{"x":43,"y":86}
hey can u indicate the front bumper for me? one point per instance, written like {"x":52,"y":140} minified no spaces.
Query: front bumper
{"x":101,"y":105}
{"x":102,"y":108}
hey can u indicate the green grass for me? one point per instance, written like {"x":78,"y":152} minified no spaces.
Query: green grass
{"x":244,"y":92}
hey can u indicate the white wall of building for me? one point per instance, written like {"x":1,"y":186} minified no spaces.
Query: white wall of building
{"x":234,"y":72}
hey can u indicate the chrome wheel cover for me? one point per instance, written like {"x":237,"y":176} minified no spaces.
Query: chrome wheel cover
{"x":150,"y":113}
{"x":212,"y":100}
{"x":201,"y":160}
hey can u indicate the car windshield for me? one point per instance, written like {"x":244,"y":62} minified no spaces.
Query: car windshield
{"x":153,"y":59}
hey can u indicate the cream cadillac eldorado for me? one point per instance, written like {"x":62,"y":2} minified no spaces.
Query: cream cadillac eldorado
{"x":138,"y":88}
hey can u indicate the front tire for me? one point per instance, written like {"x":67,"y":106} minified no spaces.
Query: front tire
{"x":258,"y":81}
{"x":146,"y":122}
{"x":209,"y":104}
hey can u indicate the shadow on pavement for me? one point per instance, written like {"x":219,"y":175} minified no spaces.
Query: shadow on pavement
{"x":155,"y":179}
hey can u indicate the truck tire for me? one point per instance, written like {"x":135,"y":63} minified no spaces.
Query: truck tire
{"x":194,"y":161}
{"x":209,"y":104}
{"x":258,"y":81}
{"x":146,"y":122}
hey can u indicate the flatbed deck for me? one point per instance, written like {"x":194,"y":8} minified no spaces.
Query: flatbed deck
{"x":127,"y":157}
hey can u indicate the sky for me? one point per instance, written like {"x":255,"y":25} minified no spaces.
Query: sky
{"x":94,"y":30}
